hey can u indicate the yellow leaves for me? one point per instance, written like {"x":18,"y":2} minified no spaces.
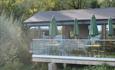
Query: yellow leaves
{"x":35,"y":9}
{"x":32,"y":10}
{"x":19,"y":1}
{"x":48,"y":4}
{"x":51,"y":3}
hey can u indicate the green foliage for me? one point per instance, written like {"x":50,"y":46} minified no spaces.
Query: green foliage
{"x":14,"y":65}
{"x":94,"y":4}
{"x":100,"y":67}
{"x":10,"y":41}
{"x":14,"y":52}
{"x":76,"y":4}
{"x":39,"y":66}
{"x":26,"y":8}
{"x":107,"y":3}
{"x":19,"y":8}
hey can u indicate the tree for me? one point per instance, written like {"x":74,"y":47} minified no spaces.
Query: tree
{"x":75,"y":4}
{"x":94,"y":4}
{"x":107,"y":3}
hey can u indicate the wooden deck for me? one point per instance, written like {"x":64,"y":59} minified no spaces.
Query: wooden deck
{"x":73,"y":60}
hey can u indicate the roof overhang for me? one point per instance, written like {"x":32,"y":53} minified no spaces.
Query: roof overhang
{"x":68,"y":22}
{"x":66,"y":17}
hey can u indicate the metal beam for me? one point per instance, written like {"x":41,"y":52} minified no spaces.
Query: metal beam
{"x":74,"y":60}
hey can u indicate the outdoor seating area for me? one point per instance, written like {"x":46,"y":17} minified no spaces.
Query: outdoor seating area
{"x":57,"y":34}
{"x":92,"y":47}
{"x":73,"y":47}
{"x":86,"y":41}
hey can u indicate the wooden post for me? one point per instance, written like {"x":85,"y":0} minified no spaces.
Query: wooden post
{"x":64,"y":65}
{"x":104,"y":31}
{"x":66,"y":31}
{"x":39,"y":32}
{"x":52,"y":66}
{"x":103,"y":35}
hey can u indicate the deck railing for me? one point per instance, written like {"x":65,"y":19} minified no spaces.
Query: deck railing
{"x":74,"y":47}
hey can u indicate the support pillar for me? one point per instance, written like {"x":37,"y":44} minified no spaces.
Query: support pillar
{"x":66,"y":31}
{"x":39,"y":32}
{"x":64,"y":65}
{"x":103,"y":35}
{"x":52,"y":66}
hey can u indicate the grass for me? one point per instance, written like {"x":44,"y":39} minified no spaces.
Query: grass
{"x":84,"y":67}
